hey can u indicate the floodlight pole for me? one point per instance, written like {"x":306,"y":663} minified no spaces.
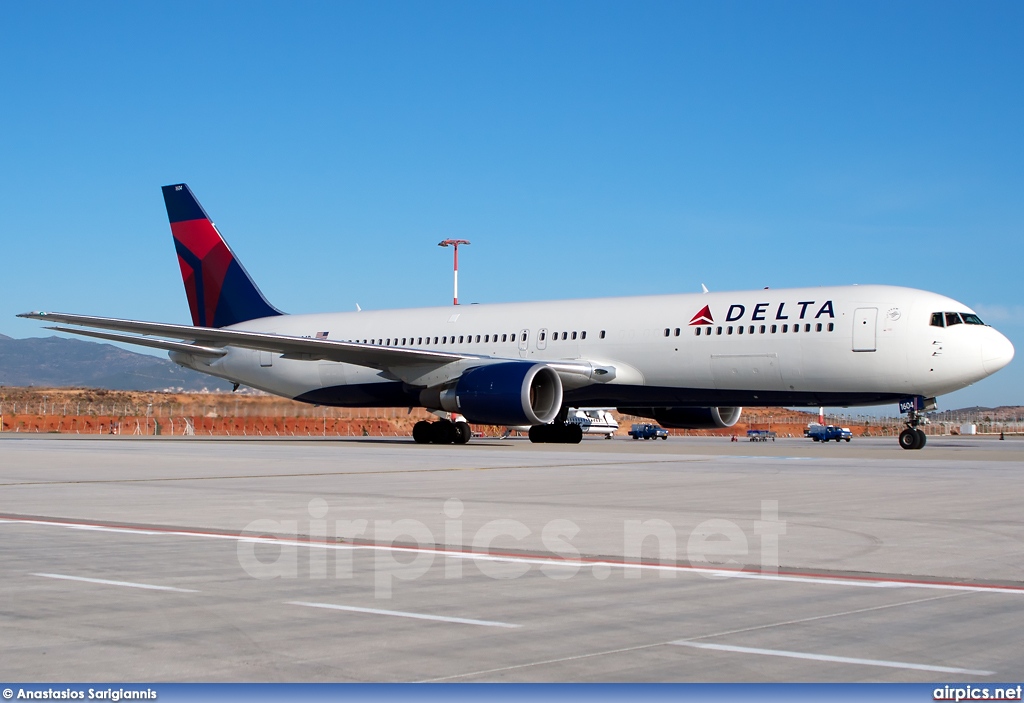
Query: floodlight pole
{"x":454,"y":243}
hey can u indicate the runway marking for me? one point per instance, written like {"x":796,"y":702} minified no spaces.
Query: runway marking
{"x":403,"y":614}
{"x":513,"y":558}
{"x":353,"y":473}
{"x":127,"y":584}
{"x":559,"y":660}
{"x":96,"y":528}
{"x":636,"y":648}
{"x":826,"y":616}
{"x":830,"y":658}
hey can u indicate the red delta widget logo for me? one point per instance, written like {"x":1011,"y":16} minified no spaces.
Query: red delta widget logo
{"x":768,"y":311}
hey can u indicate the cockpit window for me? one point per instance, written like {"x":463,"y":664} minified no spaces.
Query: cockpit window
{"x":948,"y":319}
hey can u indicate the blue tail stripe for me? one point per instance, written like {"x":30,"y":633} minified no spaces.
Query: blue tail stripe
{"x":240,"y":300}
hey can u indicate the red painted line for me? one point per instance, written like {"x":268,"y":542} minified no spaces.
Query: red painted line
{"x":523,"y":556}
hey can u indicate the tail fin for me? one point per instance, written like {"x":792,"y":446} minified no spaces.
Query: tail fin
{"x":220,"y":292}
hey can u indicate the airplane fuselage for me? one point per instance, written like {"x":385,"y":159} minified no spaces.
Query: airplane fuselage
{"x":848,"y":345}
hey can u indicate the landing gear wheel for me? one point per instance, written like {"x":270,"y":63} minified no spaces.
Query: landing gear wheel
{"x":909,"y":438}
{"x":462,"y":433}
{"x":556,"y":434}
{"x":444,"y":432}
{"x":539,"y":434}
{"x":422,"y":431}
{"x":922,"y":438}
{"x":573,"y":434}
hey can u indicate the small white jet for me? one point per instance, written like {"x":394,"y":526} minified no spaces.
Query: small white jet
{"x":686,"y":361}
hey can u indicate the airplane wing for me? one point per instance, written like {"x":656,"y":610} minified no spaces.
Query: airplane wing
{"x":415,"y":366}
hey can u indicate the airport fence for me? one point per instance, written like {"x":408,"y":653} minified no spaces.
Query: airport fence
{"x":263,"y":415}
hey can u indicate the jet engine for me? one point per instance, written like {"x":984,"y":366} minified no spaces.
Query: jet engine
{"x":689,"y":418}
{"x":507,"y":393}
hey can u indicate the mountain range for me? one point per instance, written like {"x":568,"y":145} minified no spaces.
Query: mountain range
{"x":55,"y":362}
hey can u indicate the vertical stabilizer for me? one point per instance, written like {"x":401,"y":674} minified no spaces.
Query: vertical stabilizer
{"x":220,"y":292}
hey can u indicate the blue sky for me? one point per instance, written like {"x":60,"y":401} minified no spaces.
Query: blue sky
{"x":584,"y":148}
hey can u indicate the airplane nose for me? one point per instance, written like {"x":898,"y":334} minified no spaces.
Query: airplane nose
{"x":996,"y":352}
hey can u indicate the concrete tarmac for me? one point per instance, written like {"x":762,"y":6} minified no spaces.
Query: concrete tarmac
{"x":692,"y":559}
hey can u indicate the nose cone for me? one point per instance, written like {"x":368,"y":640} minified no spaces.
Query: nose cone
{"x":996,"y":352}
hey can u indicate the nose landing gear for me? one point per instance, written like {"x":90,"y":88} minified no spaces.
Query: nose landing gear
{"x":913,"y":437}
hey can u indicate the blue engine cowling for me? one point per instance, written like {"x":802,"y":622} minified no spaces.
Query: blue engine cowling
{"x":507,"y":393}
{"x":689,"y":418}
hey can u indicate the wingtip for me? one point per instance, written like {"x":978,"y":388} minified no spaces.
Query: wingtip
{"x":35,"y":314}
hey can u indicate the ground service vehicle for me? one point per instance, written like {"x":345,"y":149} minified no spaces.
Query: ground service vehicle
{"x":823,"y":433}
{"x":645,"y":430}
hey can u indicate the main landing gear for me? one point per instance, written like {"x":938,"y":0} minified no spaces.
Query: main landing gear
{"x":441,"y":432}
{"x":913,"y":437}
{"x":558,"y":433}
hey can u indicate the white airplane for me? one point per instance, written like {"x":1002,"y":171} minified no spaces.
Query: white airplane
{"x":686,"y":361}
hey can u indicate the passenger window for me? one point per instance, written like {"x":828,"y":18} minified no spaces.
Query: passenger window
{"x":728,"y":330}
{"x":937,"y":320}
{"x":831,"y":326}
{"x":403,"y":341}
{"x":696,"y":331}
{"x":718,"y":331}
{"x":574,"y":335}
{"x":775,"y":328}
{"x":785,"y":328}
{"x":478,"y":339}
{"x":504,"y":337}
{"x":565,"y":335}
{"x":762,"y":329}
{"x":667,"y":331}
{"x":817,"y":327}
{"x":602,"y":334}
{"x":583,"y":334}
{"x":677,"y":331}
{"x":739,"y":330}
{"x":807,"y":327}
{"x":750,"y":330}
{"x":952,"y":319}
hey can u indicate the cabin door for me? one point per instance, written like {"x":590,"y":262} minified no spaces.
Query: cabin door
{"x":865,"y":321}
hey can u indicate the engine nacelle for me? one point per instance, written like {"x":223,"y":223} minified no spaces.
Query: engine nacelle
{"x":689,"y":418}
{"x":509,"y":393}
